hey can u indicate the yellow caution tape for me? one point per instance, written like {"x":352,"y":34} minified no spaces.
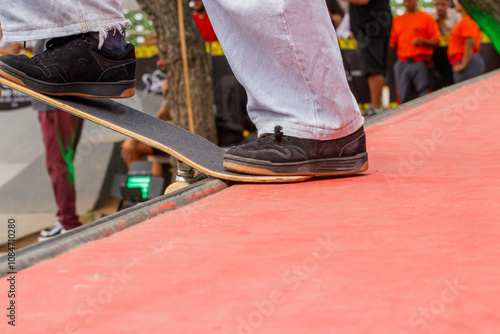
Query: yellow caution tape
{"x":146,"y":51}
{"x":214,"y":49}
{"x":347,"y":44}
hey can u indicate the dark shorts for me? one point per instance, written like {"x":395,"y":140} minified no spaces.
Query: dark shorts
{"x":373,"y":54}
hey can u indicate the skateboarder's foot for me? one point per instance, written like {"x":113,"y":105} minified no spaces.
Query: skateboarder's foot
{"x":52,"y":231}
{"x":278,"y":154}
{"x":74,"y":65}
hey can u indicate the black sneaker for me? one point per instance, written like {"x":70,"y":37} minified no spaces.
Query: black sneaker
{"x":74,"y":65}
{"x":54,"y":230}
{"x":277,"y":154}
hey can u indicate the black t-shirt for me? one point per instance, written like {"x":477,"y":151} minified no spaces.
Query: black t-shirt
{"x":373,"y":19}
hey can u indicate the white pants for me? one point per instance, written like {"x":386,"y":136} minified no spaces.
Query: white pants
{"x":26,"y":20}
{"x":284,"y":52}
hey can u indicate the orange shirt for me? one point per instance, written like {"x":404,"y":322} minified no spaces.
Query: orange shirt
{"x":456,"y":43}
{"x":407,"y":27}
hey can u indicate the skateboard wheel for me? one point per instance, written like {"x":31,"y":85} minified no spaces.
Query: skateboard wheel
{"x":176,"y":186}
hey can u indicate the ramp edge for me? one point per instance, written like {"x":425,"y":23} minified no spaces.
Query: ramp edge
{"x":107,"y":226}
{"x":401,"y":109}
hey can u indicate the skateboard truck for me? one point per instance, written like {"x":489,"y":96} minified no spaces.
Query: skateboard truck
{"x":185,"y":173}
{"x":185,"y":177}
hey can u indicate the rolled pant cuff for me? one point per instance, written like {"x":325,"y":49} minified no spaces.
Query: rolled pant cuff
{"x":73,"y":29}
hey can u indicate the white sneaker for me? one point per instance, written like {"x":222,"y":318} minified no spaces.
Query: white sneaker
{"x":52,"y":231}
{"x":369,"y":112}
{"x":372,"y":111}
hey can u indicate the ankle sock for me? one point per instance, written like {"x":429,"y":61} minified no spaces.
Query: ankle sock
{"x":115,"y":41}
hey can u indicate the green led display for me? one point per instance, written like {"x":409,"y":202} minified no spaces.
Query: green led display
{"x":141,"y":182}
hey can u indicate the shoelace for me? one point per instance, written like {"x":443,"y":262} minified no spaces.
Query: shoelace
{"x":57,"y":44}
{"x":278,"y":133}
{"x":60,"y":40}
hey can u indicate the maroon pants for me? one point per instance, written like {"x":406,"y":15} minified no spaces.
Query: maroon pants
{"x":61,"y":133}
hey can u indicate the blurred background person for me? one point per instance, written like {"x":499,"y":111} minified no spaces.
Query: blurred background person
{"x":371,"y":22}
{"x":340,"y":18}
{"x":337,"y":13}
{"x":202,"y":21}
{"x":463,"y":48}
{"x":445,"y":16}
{"x":61,"y":132}
{"x":414,"y":35}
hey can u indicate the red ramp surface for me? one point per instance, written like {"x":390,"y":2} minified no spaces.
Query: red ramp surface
{"x":412,"y":246}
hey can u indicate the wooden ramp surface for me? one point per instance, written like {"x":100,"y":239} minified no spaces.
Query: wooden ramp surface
{"x":412,"y":246}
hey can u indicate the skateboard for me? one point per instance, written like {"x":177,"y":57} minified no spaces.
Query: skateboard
{"x":186,"y":146}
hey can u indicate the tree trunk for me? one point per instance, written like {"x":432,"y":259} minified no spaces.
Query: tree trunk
{"x":164,"y":15}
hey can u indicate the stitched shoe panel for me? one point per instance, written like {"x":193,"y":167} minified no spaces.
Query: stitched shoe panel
{"x":267,"y":148}
{"x":279,"y":154}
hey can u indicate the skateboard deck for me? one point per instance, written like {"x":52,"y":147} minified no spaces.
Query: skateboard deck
{"x":186,"y":146}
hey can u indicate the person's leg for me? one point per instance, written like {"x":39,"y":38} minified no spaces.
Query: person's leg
{"x":420,"y":78}
{"x":403,"y":78}
{"x":33,"y":20}
{"x":286,"y":55}
{"x":373,"y":63}
{"x":83,"y":60}
{"x":376,"y":83}
{"x":61,"y":133}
